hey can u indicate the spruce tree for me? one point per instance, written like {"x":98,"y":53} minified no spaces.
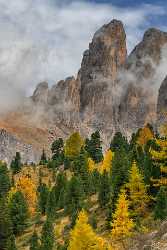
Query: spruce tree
{"x":11,"y":243}
{"x":43,"y":191}
{"x":120,"y":173}
{"x":5,"y":225}
{"x":34,"y":244}
{"x":75,"y":196}
{"x":60,"y":190}
{"x":4,"y":180}
{"x":94,"y":148}
{"x":51,"y":204}
{"x":57,"y":149}
{"x":16,"y":164}
{"x":47,"y":236}
{"x":104,"y":190}
{"x":18,"y":210}
{"x":160,"y":211}
{"x":119,"y":142}
{"x":43,"y":160}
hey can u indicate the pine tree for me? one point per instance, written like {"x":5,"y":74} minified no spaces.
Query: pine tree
{"x":6,"y":231}
{"x":119,"y":173}
{"x":73,"y":145}
{"x":57,"y":149}
{"x":137,"y":191}
{"x":75,"y":196}
{"x":104,"y":190}
{"x":122,"y":225}
{"x":4,"y":180}
{"x":94,"y":148}
{"x":43,"y":192}
{"x":160,"y":211}
{"x":83,"y":237}
{"x":11,"y":244}
{"x":47,"y":236}
{"x":81,"y":170}
{"x":119,"y":142}
{"x":43,"y":160}
{"x":60,"y":190}
{"x":18,"y":210}
{"x":34,"y":244}
{"x":51,"y":204}
{"x":16,"y":164}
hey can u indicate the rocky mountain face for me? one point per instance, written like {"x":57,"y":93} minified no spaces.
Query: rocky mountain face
{"x":112,"y":91}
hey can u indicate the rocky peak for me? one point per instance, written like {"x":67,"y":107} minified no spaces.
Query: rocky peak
{"x":40,"y":94}
{"x":162,"y":103}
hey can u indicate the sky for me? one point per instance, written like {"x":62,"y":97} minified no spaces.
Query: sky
{"x":43,"y":40}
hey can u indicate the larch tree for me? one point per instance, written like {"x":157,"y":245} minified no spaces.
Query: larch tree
{"x":28,"y":188}
{"x":122,"y":224}
{"x":106,"y":164}
{"x":83,"y":237}
{"x":138,"y":197}
{"x":73,"y":145}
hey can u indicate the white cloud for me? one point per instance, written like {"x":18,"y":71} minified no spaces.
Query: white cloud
{"x":43,"y":40}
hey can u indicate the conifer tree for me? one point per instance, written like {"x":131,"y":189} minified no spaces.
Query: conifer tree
{"x":73,"y":145}
{"x":122,"y":225}
{"x":75,"y":196}
{"x":60,"y":190}
{"x":6,"y":231}
{"x":106,"y":164}
{"x":47,"y":236}
{"x":94,"y":148}
{"x":119,"y":173}
{"x":16,"y":164}
{"x":160,"y":211}
{"x":4,"y":180}
{"x":83,"y":236}
{"x":119,"y":142}
{"x":57,"y":149}
{"x":43,"y":191}
{"x":104,"y":190}
{"x":51,"y":204}
{"x":18,"y":210}
{"x":43,"y":160}
{"x":137,"y":191}
{"x":11,"y":243}
{"x":34,"y":244}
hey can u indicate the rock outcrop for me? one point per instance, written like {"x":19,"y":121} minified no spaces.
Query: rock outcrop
{"x":112,"y":91}
{"x":162,"y":103}
{"x":138,"y":101}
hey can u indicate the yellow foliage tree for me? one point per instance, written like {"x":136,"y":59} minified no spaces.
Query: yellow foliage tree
{"x":122,"y":223}
{"x":145,"y":135}
{"x":82,"y":237}
{"x":137,"y":191}
{"x":159,"y":159}
{"x":73,"y":145}
{"x":107,"y":162}
{"x":28,"y":189}
{"x":91,"y":165}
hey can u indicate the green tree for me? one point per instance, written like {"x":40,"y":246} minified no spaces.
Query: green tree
{"x":4,"y":180}
{"x":34,"y":244}
{"x":47,"y":236}
{"x":75,"y":196}
{"x":160,"y":211}
{"x":51,"y":204}
{"x":60,"y":190}
{"x":119,"y":141}
{"x":57,"y":149}
{"x":18,"y":210}
{"x":43,"y":160}
{"x":5,"y":225}
{"x":104,"y":190}
{"x":94,"y":148}
{"x":43,"y":192}
{"x":11,"y":243}
{"x":120,"y":173}
{"x":16,"y":164}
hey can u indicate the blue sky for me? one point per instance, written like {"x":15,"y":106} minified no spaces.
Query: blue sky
{"x":43,"y":40}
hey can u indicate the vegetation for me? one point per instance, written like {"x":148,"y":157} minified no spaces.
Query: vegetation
{"x":82,"y":198}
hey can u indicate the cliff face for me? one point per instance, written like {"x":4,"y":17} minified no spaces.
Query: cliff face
{"x":112,"y":91}
{"x":162,"y":103}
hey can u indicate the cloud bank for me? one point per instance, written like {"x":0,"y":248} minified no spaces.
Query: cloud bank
{"x":43,"y":40}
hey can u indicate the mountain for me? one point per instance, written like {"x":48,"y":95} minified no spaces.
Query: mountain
{"x":112,"y":92}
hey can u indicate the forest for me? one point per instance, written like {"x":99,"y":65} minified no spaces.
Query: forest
{"x":82,"y":197}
